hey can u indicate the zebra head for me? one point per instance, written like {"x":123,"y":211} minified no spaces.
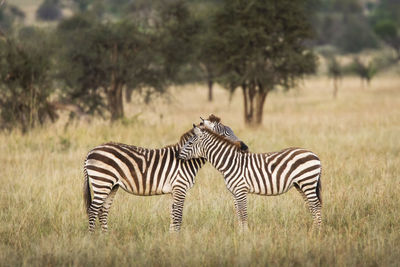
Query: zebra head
{"x":192,"y":148}
{"x":214,"y":124}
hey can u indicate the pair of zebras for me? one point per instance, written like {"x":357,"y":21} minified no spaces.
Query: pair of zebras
{"x":172,"y":169}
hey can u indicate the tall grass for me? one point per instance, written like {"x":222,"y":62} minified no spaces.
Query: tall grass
{"x":357,"y":136}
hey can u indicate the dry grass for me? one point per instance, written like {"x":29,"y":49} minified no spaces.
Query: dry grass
{"x":357,"y":137}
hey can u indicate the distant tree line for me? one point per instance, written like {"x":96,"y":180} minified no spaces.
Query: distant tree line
{"x":364,"y":69}
{"x":90,"y":61}
{"x":353,"y":25}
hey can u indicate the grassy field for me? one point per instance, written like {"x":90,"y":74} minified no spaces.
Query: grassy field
{"x":357,"y":136}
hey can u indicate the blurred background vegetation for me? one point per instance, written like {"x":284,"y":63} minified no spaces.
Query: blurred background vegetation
{"x":69,"y":68}
{"x":86,"y":58}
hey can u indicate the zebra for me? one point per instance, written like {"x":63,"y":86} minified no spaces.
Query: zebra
{"x":214,"y":123}
{"x":138,"y":171}
{"x":258,"y":173}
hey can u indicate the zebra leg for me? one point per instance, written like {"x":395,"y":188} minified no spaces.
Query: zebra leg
{"x":94,"y":209}
{"x":178,"y":198}
{"x":311,"y":195}
{"x":103,"y":214}
{"x":93,"y":212}
{"x":301,"y":193}
{"x":241,"y":210}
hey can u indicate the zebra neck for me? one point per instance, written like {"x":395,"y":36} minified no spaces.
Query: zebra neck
{"x":223,"y":156}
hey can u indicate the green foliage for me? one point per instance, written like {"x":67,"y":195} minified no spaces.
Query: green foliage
{"x":100,"y":59}
{"x":82,"y":5}
{"x":9,"y":14}
{"x":263,"y":41}
{"x":347,"y":6}
{"x":259,"y":46}
{"x":49,"y":10}
{"x":206,"y":52}
{"x":356,"y":34}
{"x":334,"y":68}
{"x":343,"y":23}
{"x":385,"y":10}
{"x":388,"y":31}
{"x":365,"y":70}
{"x":25,"y":84}
{"x":176,"y":29}
{"x":385,"y":20}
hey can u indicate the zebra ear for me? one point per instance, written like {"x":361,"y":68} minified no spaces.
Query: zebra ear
{"x":197,"y":130}
{"x":244,"y":147}
{"x":202,"y":121}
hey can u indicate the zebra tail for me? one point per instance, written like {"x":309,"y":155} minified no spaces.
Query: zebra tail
{"x":319,"y":189}
{"x":86,"y":191}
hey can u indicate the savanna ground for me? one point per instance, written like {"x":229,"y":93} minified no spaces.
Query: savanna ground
{"x":357,"y":137}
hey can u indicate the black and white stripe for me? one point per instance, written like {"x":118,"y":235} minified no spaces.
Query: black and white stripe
{"x":139,"y":171}
{"x":259,"y":173}
{"x":214,"y":123}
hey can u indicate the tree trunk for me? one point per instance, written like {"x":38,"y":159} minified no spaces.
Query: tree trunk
{"x":254,"y":98}
{"x":115,"y":103}
{"x":128,"y":94}
{"x":397,"y":50}
{"x":248,"y":100}
{"x":210,"y":80}
{"x":261,"y":96}
{"x":210,"y":87}
{"x":114,"y":94}
{"x":335,"y":87}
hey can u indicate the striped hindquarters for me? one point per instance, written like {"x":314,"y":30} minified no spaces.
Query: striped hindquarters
{"x":293,"y":166}
{"x":275,"y":173}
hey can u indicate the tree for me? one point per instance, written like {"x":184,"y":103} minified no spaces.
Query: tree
{"x":356,"y":34}
{"x":206,"y":57}
{"x":176,"y":29}
{"x":49,"y":10}
{"x":9,"y":14}
{"x":25,"y":84}
{"x":385,"y":20}
{"x":366,"y":71}
{"x":388,"y":31}
{"x":335,"y":71}
{"x":260,"y":46}
{"x":343,"y":24}
{"x":81,"y":5}
{"x":101,"y":59}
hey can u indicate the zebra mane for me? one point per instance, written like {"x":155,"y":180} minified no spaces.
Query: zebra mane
{"x":223,"y":138}
{"x":214,"y":118}
{"x":186,"y":136}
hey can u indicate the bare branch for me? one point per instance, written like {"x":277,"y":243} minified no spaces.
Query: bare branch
{"x":2,"y":2}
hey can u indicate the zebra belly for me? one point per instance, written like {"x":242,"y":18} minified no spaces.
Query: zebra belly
{"x":160,"y":190}
{"x":151,"y":193}
{"x":261,"y":182}
{"x":264,"y":192}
